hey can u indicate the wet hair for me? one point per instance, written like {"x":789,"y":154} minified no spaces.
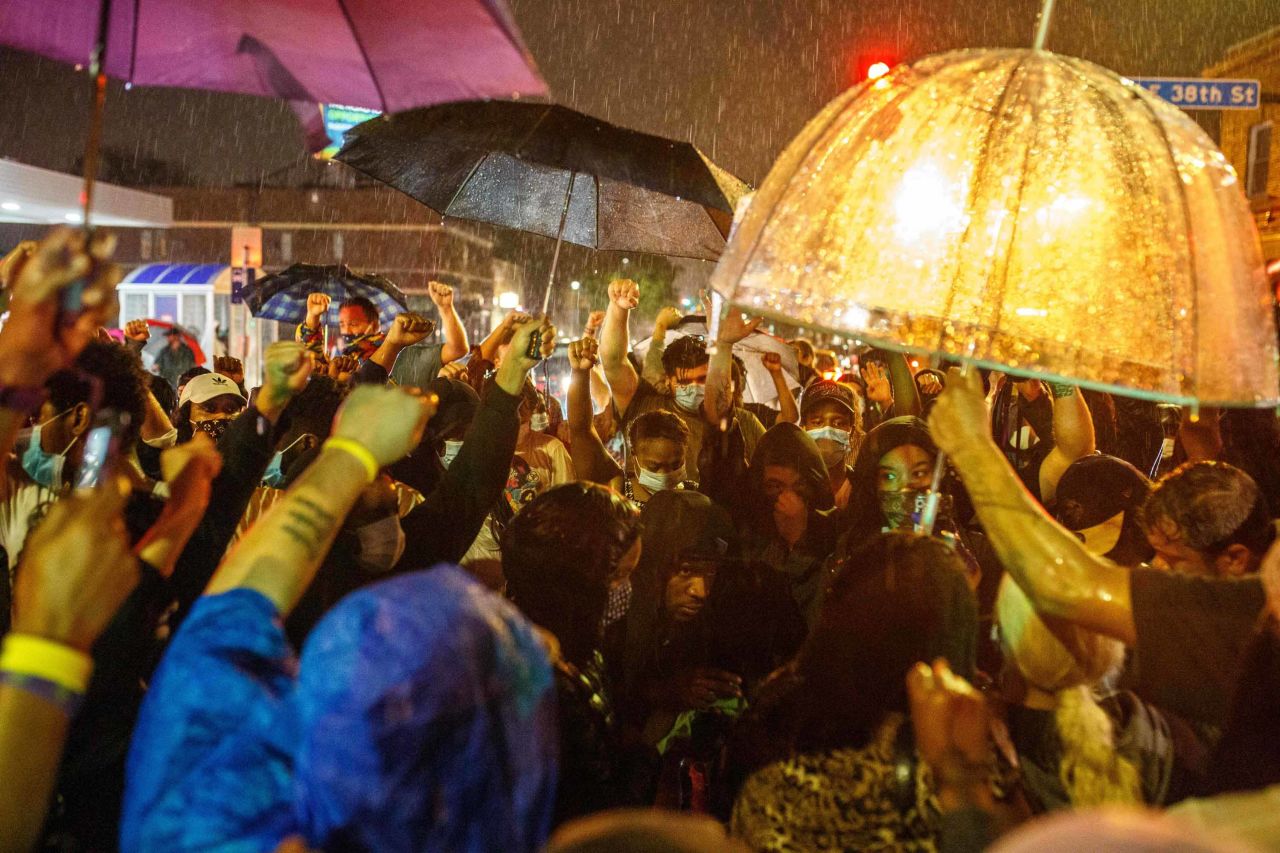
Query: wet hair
{"x":658,"y":424}
{"x":192,"y":374}
{"x":908,"y":596}
{"x":685,"y":353}
{"x":121,"y":385}
{"x":312,"y":410}
{"x":166,"y":395}
{"x":1213,"y":505}
{"x":1067,"y":661}
{"x":558,"y":555}
{"x":364,"y":304}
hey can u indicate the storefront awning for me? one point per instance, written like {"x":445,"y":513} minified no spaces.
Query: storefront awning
{"x":33,"y":195}
{"x":151,"y":275}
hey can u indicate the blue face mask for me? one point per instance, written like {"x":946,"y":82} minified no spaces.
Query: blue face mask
{"x":274,"y":476}
{"x":43,"y":467}
{"x":689,"y":397}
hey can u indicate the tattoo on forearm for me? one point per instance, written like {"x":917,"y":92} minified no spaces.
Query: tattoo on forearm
{"x":308,"y":524}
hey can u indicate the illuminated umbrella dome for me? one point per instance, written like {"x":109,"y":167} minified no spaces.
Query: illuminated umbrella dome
{"x":1020,"y":210}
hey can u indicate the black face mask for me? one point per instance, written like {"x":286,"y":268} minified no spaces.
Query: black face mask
{"x":214,"y":429}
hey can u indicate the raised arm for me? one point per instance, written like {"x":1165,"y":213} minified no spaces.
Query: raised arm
{"x":652,"y":370}
{"x":189,"y":469}
{"x":311,"y":332}
{"x":615,"y":339}
{"x":456,"y":344}
{"x":906,"y":394}
{"x":280,"y":554}
{"x":501,"y":336}
{"x":76,"y":570}
{"x":406,"y":330}
{"x":1060,"y":577}
{"x":788,"y":411}
{"x":1072,"y":437}
{"x":590,"y":458}
{"x":719,"y":399}
{"x":34,"y":343}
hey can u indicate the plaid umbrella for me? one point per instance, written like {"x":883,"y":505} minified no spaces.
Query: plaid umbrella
{"x":283,"y":296}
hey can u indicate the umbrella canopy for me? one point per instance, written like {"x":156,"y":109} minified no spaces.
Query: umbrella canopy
{"x":1021,"y":210}
{"x":283,"y":296}
{"x":513,"y":164}
{"x":751,"y":349}
{"x":384,"y":55}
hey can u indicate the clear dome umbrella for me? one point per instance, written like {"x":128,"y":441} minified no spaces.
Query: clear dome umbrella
{"x":1019,"y":210}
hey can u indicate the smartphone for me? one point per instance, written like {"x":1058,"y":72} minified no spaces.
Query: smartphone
{"x":101,"y":447}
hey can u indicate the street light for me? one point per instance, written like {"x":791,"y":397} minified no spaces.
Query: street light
{"x":508,"y":300}
{"x":576,"y":287}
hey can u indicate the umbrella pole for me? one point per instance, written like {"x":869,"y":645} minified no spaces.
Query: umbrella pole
{"x":98,"y":78}
{"x":929,"y":513}
{"x":1042,"y":25}
{"x":555,"y":259}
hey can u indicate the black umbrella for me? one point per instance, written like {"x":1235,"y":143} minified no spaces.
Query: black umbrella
{"x":283,"y":296}
{"x":549,"y":170}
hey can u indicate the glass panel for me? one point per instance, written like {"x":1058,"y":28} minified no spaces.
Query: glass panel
{"x":133,"y":308}
{"x":167,"y":308}
{"x":193,"y":319}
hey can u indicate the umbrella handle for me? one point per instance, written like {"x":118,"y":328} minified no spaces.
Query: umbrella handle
{"x":929,"y":512}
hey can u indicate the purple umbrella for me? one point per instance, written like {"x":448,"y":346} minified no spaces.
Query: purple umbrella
{"x":386,"y":55}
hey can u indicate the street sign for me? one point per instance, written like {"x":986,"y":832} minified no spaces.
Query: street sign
{"x":241,"y":278}
{"x":1194,"y":93}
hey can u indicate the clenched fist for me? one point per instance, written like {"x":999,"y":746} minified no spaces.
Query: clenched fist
{"x":441,"y":294}
{"x":317,"y":305}
{"x":582,"y":354}
{"x":138,"y":331}
{"x":624,"y":294}
{"x":409,"y":329}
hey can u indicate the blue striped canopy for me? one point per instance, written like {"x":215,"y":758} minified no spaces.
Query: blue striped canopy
{"x":283,"y":296}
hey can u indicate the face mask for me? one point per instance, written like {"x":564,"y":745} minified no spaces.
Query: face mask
{"x":45,"y":468}
{"x":381,"y":545}
{"x":214,"y":429}
{"x":539,"y":422}
{"x":274,"y":476}
{"x":656,"y":481}
{"x":833,"y":445}
{"x":169,"y":439}
{"x":451,"y":449}
{"x":689,"y":397}
{"x":900,"y":507}
{"x":618,"y":604}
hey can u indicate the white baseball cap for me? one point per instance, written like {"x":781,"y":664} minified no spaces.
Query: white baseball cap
{"x":206,"y":386}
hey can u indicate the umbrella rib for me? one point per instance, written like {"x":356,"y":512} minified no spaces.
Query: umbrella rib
{"x":979,"y":181}
{"x":1187,"y":230}
{"x":133,"y":41}
{"x":364,"y":55}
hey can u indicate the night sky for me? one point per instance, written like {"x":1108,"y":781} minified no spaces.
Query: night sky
{"x":736,"y":77}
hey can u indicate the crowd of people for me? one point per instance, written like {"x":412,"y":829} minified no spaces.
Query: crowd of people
{"x":397,"y":598}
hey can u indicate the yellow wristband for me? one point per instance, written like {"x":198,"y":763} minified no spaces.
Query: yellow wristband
{"x":359,"y":451}
{"x":25,"y":654}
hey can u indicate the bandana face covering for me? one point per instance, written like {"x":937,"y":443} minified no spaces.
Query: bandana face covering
{"x":214,"y":429}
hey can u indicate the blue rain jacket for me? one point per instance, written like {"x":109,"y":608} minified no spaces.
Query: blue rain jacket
{"x":421,"y":717}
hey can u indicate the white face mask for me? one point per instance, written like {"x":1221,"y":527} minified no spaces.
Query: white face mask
{"x":539,"y":421}
{"x":451,"y":449}
{"x":169,"y":439}
{"x":833,"y":443}
{"x":658,"y":481}
{"x":381,"y":545}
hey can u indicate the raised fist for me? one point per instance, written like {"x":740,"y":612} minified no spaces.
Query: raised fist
{"x":582,"y":354}
{"x":317,"y":305}
{"x":624,"y":293}
{"x":441,"y":294}
{"x":409,"y":329}
{"x":137,"y":330}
